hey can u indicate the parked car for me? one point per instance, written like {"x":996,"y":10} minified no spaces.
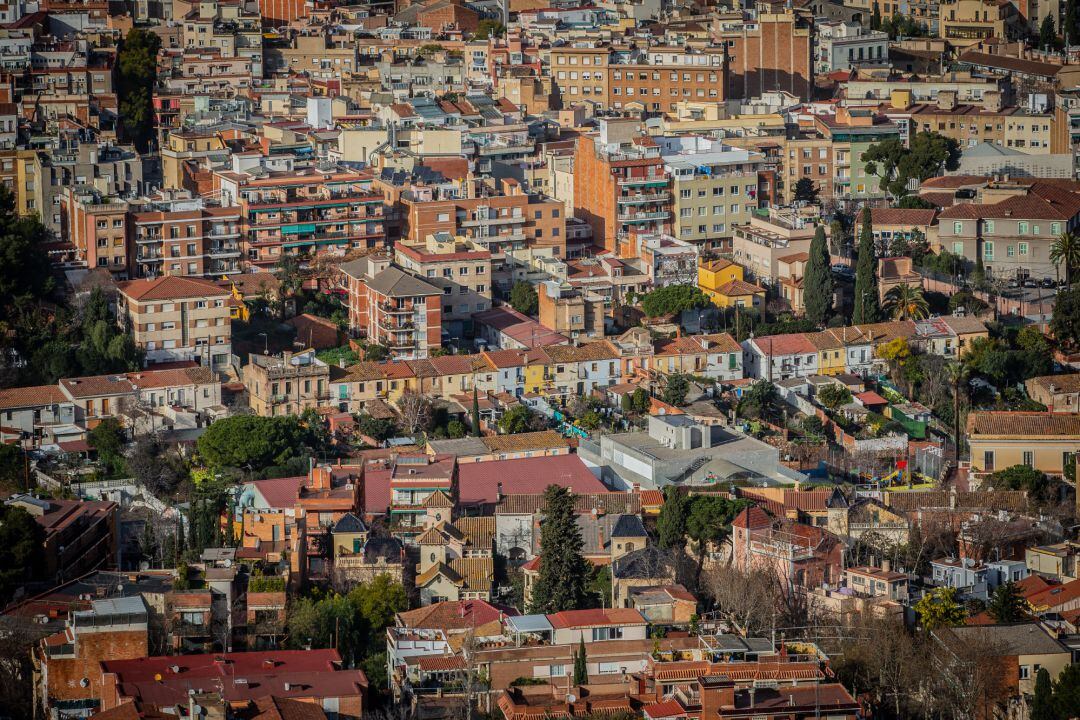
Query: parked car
{"x":1048,"y":282}
{"x":1030,"y":283}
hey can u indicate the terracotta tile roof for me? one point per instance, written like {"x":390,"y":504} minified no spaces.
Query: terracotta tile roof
{"x":738,"y":288}
{"x":170,"y":287}
{"x":606,"y":502}
{"x":902,"y":216}
{"x":1055,"y":596}
{"x":440,"y":663}
{"x":364,"y":371}
{"x":721,"y":342}
{"x":954,"y":181}
{"x":780,"y":345}
{"x":1011,"y":64}
{"x":97,"y":385}
{"x":596,"y":617}
{"x":1061,"y":383}
{"x":794,"y":258}
{"x":652,"y":498}
{"x":752,"y":518}
{"x":478,"y":482}
{"x":453,"y":615}
{"x":524,"y":442}
{"x":1024,"y":424}
{"x":477,"y":531}
{"x":824,"y":340}
{"x":32,"y":396}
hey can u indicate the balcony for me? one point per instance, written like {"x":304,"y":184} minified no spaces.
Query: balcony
{"x":644,"y":182}
{"x":149,"y":257}
{"x":395,"y":310}
{"x":479,"y":222}
{"x":643,"y":198}
{"x":396,"y":327}
{"x":145,"y":239}
{"x":645,"y":217}
{"x":497,"y":149}
{"x":230,"y":250}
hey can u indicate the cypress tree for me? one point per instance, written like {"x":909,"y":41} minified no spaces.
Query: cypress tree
{"x":581,"y":667}
{"x":475,"y":414}
{"x":180,"y":544}
{"x":1042,"y":703}
{"x":562,"y":583}
{"x":866,"y":286}
{"x":818,"y":283}
{"x":671,"y":525}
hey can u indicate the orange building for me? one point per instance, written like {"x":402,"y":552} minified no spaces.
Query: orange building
{"x":620,"y":185}
{"x":772,"y":52}
{"x":98,"y":229}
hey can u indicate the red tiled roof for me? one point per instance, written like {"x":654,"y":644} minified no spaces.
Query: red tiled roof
{"x":32,"y":396}
{"x":902,"y":216}
{"x":1056,"y":595}
{"x":1024,"y":424}
{"x":170,"y":287}
{"x":595,"y":617}
{"x":870,"y":398}
{"x":666,"y":709}
{"x":280,"y":492}
{"x":779,"y":345}
{"x":750,"y":518}
{"x":453,"y":615}
{"x":377,"y":491}
{"x":478,"y":483}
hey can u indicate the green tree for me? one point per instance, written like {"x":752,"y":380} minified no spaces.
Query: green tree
{"x":906,"y":302}
{"x":676,"y":386}
{"x":564,"y":573}
{"x":25,"y":271}
{"x":957,"y":375}
{"x":674,"y":299}
{"x":515,"y":420}
{"x":137,"y":71}
{"x":489,"y":28}
{"x":475,"y":414}
{"x":252,"y":441}
{"x":590,"y":420}
{"x":523,"y":298}
{"x":806,"y":191}
{"x":836,"y":237}
{"x":914,"y":202}
{"x":107,"y":438}
{"x":1070,"y":28}
{"x":1065,"y":252}
{"x":1007,"y":604}
{"x":758,"y":401}
{"x":939,"y":608}
{"x":818,"y":280}
{"x":834,"y":395}
{"x":866,"y":283}
{"x":709,"y":518}
{"x":1065,"y":322}
{"x":1042,"y":702}
{"x":13,"y":465}
{"x":1022,"y":477}
{"x":1047,"y":36}
{"x":671,"y":524}
{"x":456,"y":429}
{"x":875,"y":18}
{"x":640,"y":400}
{"x":22,"y":542}
{"x":581,"y":666}
{"x":895,"y":163}
{"x":1067,"y":689}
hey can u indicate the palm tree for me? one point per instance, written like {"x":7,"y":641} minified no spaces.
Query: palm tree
{"x":906,"y":302}
{"x":957,"y":373}
{"x":1066,"y":251}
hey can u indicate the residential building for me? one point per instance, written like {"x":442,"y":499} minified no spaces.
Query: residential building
{"x":842,"y":46}
{"x":1023,"y":649}
{"x":803,"y":555}
{"x":461,"y":267}
{"x":97,"y":225}
{"x":967,"y":22}
{"x":177,"y":318}
{"x":759,"y":245}
{"x":715,"y":187}
{"x":286,"y":385}
{"x":876,"y":582}
{"x":80,"y":535}
{"x":1041,"y":440}
{"x":178,"y":234}
{"x":395,"y":308}
{"x":769,"y":51}
{"x":570,"y":311}
{"x":1059,"y":393}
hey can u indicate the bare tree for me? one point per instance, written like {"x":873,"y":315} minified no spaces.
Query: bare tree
{"x":16,"y":672}
{"x":969,"y":681}
{"x":749,"y":599}
{"x":415,"y":411}
{"x":879,"y":657}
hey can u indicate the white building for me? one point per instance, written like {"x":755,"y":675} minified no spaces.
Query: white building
{"x":842,"y":46}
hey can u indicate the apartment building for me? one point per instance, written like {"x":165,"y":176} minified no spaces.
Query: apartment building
{"x":96,"y":225}
{"x":392,"y":307}
{"x":461,"y":267}
{"x":1007,"y":127}
{"x":177,"y":318}
{"x":621,"y":187}
{"x":303,"y":212}
{"x":229,"y":27}
{"x":286,"y":385}
{"x":1042,"y":440}
{"x":571,"y":311}
{"x":842,"y":46}
{"x":654,"y":79}
{"x":179,"y":147}
{"x":967,"y":22}
{"x":715,"y":188}
{"x":759,"y":245}
{"x":1012,"y":225}
{"x":852,"y":131}
{"x":177,"y":234}
{"x":766,"y":51}
{"x":80,"y":535}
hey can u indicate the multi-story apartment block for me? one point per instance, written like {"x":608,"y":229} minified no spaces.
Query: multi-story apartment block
{"x":460,"y":267}
{"x":303,"y":212}
{"x":759,"y":245}
{"x":286,"y":385}
{"x":654,"y":79}
{"x":177,"y":318}
{"x":229,"y":27}
{"x":852,"y":132}
{"x":1012,"y":226}
{"x":842,"y":46}
{"x":769,"y":49}
{"x":97,"y":226}
{"x":392,"y":307}
{"x":176,"y":234}
{"x":715,"y":188}
{"x":621,"y":187}
{"x":967,"y":22}
{"x":571,"y":311}
{"x":1008,"y":127}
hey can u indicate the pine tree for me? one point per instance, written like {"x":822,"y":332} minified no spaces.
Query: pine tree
{"x":818,"y":282}
{"x":866,"y":286}
{"x":1042,"y":703}
{"x":475,"y":414}
{"x":581,"y":664}
{"x":562,"y":583}
{"x":671,"y":525}
{"x":1007,"y":604}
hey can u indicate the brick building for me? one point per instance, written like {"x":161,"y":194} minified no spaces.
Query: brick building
{"x":770,"y":52}
{"x":460,"y":267}
{"x":97,"y":227}
{"x":185,"y":236}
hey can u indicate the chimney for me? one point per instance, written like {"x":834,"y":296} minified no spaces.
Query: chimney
{"x":499,"y":492}
{"x":946,"y":99}
{"x":992,"y":101}
{"x":886,"y":565}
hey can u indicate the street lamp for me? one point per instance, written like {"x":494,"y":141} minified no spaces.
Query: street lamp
{"x":266,"y":343}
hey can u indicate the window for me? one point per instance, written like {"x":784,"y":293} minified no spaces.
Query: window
{"x":1023,"y":228}
{"x":990,"y":226}
{"x":988,"y":460}
{"x":1055,"y":228}
{"x":1023,"y":248}
{"x":1029,"y":458}
{"x":608,"y":633}
{"x":1025,"y":672}
{"x":557,"y":670}
{"x":988,"y":250}
{"x":957,"y":228}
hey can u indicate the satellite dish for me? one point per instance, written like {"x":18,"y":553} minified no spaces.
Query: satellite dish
{"x":85,"y":682}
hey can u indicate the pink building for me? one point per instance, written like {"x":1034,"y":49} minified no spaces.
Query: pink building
{"x":803,"y":555}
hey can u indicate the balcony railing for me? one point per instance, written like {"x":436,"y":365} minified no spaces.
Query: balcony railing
{"x":644,"y":217}
{"x":653,"y":181}
{"x":643,"y":198}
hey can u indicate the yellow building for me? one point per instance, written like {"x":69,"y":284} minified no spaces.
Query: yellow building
{"x":832,"y":355}
{"x":738,"y":293}
{"x":1044,"y":441}
{"x":712,"y":274}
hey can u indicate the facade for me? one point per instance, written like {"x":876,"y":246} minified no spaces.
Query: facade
{"x":1044,"y":441}
{"x":770,"y":52}
{"x":462,"y":268}
{"x":843,"y":46}
{"x":286,"y":385}
{"x":177,"y":318}
{"x":185,"y":236}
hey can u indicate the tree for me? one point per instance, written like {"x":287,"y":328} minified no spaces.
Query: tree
{"x":1071,"y":25}
{"x":523,"y":298}
{"x":674,"y":299}
{"x":488,"y":28}
{"x":378,"y":429}
{"x":676,"y":386}
{"x":1067,"y":690}
{"x":1047,"y":36}
{"x":806,"y":191}
{"x":640,"y":400}
{"x":13,"y":466}
{"x":22,"y":542}
{"x":1066,"y":252}
{"x":475,"y":414}
{"x":914,"y":202}
{"x":137,"y":69}
{"x":671,"y":524}
{"x":709,"y":518}
{"x":1007,"y":604}
{"x":834,"y":395}
{"x":1042,"y":702}
{"x":939,"y":608}
{"x":25,"y":271}
{"x":515,"y":420}
{"x":906,"y":302}
{"x":107,"y":438}
{"x":758,"y":401}
{"x":414,"y":409}
{"x":818,"y":280}
{"x":1022,"y":477}
{"x":252,"y":441}
{"x":456,"y":429}
{"x":154,"y":468}
{"x":896,"y":164}
{"x":958,"y":376}
{"x":564,"y":573}
{"x":1065,"y":322}
{"x":581,"y":667}
{"x":836,"y":237}
{"x":866,"y":284}
{"x":875,"y":18}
